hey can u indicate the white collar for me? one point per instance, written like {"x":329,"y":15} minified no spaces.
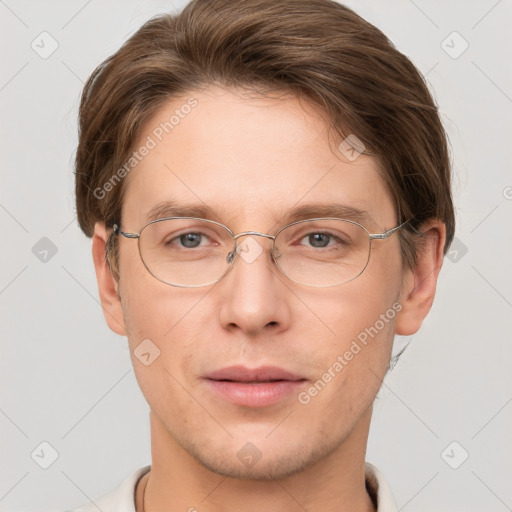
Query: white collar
{"x":377,"y":486}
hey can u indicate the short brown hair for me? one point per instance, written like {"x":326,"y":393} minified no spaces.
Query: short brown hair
{"x":319,"y":49}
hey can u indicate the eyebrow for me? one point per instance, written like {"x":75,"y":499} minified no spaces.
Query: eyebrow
{"x":175,"y":209}
{"x":336,"y":210}
{"x":305,"y":211}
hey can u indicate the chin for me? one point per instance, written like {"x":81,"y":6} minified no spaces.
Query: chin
{"x":262,"y":460}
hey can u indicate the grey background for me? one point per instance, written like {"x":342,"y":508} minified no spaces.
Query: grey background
{"x":67,"y":380}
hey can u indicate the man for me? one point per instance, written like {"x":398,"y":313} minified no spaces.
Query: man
{"x":267,"y":188}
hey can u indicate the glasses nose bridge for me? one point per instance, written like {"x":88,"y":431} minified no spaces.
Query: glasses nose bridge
{"x":231,"y":255}
{"x":253,"y":233}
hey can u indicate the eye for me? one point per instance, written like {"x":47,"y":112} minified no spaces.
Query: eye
{"x":322,"y":239}
{"x":318,"y":239}
{"x":189,"y":240}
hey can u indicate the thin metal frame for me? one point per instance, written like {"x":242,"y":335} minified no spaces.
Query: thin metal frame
{"x":231,"y":255}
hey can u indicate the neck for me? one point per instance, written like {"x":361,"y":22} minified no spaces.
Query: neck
{"x":178,"y":482}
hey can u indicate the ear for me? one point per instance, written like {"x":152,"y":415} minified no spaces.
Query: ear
{"x":107,"y":284}
{"x":419,"y":283}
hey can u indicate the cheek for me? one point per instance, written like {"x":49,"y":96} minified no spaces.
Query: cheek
{"x":168,"y":316}
{"x":362,"y":324}
{"x":366,"y":304}
{"x":160,"y":319}
{"x":164,"y":339}
{"x":350,"y":370}
{"x":151,"y":307}
{"x":361,"y":317}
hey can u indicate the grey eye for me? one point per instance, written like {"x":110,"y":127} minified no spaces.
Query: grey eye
{"x":319,"y":239}
{"x":190,"y":240}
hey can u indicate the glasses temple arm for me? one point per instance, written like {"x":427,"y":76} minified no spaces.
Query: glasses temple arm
{"x":117,"y":231}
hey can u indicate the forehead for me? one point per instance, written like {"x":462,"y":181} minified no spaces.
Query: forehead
{"x":238,"y":157}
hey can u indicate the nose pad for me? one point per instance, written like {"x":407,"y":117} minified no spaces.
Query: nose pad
{"x":275,"y":254}
{"x":231,"y":256}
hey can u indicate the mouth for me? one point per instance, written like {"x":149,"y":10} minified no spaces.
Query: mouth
{"x":257,"y":387}
{"x":252,"y":375}
{"x":252,"y":381}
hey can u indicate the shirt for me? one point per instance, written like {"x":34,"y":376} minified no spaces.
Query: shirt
{"x":122,"y":499}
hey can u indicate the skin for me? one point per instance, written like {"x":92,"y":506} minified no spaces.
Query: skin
{"x":251,"y":159}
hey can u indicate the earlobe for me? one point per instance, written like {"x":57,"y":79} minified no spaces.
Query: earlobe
{"x":107,"y":284}
{"x":419,"y":284}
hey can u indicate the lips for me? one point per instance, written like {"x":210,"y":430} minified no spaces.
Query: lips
{"x":254,"y":387}
{"x":254,"y":375}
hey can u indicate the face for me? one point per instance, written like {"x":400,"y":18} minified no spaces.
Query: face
{"x":250,"y":160}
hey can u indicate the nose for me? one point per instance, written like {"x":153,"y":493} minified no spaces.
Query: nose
{"x":253,"y":296}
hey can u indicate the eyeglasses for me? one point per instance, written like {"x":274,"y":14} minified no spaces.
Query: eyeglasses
{"x":191,"y":252}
